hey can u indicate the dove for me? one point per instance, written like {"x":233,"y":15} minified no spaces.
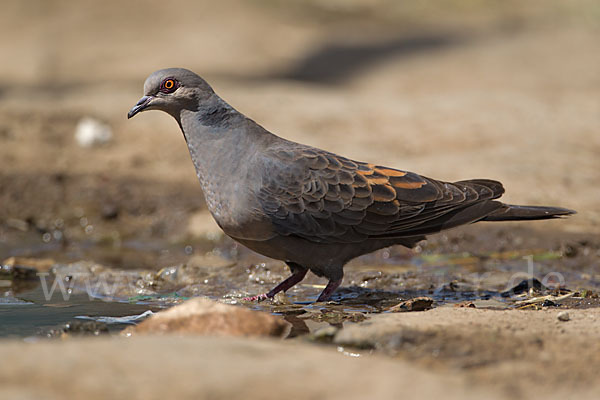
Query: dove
{"x":311,"y":208}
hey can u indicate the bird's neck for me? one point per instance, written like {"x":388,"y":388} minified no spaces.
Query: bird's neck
{"x":212,"y":133}
{"x":222,"y":143}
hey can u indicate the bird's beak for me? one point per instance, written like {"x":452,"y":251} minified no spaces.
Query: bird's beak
{"x":140,"y":106}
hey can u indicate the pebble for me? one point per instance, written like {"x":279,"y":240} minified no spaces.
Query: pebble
{"x":415,"y":304}
{"x":90,"y":132}
{"x":563,"y":316}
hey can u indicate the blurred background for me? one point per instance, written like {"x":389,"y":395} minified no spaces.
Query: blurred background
{"x":456,"y":89}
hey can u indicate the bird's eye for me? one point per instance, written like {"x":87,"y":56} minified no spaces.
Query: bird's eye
{"x":168,"y":85}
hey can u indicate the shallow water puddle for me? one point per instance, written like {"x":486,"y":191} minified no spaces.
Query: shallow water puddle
{"x":372,"y":284}
{"x":32,"y":313}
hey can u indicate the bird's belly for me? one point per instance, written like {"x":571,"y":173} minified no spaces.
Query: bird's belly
{"x":233,"y":212}
{"x":242,"y":223}
{"x":303,"y":252}
{"x":322,"y":259}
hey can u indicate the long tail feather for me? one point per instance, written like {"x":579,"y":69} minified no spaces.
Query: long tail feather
{"x":515,"y":213}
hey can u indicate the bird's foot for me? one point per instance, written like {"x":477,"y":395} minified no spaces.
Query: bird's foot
{"x":296,"y":277}
{"x":329,"y":289}
{"x":259,"y":297}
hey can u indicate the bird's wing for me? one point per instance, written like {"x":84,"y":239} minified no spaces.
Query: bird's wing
{"x":326,"y":198}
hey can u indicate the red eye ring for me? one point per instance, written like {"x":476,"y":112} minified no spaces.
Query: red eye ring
{"x":169,"y":85}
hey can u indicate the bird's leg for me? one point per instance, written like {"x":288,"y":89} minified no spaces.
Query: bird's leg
{"x":329,"y":289}
{"x":298,"y":273}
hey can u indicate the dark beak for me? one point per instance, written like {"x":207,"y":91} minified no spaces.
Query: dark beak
{"x":140,"y":106}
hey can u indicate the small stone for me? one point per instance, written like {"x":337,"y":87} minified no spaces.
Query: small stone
{"x":563,"y":316}
{"x":91,"y":132}
{"x":416,"y":304}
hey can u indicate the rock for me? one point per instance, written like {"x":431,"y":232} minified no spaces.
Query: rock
{"x":90,"y":132}
{"x":201,"y":316}
{"x":415,"y":304}
{"x":563,"y":316}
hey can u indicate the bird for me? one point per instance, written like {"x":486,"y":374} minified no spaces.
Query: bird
{"x":311,"y":208}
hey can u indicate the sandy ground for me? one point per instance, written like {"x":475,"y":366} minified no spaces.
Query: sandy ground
{"x":256,"y":369}
{"x":445,"y":353}
{"x":503,"y":92}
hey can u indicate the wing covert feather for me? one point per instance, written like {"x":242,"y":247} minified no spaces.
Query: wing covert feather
{"x":325,"y":198}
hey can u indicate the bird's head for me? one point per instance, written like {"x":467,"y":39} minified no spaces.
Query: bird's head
{"x":172,"y":90}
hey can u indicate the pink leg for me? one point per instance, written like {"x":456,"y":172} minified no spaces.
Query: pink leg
{"x":329,"y":289}
{"x":297,"y":276}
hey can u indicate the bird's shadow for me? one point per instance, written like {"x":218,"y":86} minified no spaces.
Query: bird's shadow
{"x":378,"y":300}
{"x":447,"y":293}
{"x":338,"y":62}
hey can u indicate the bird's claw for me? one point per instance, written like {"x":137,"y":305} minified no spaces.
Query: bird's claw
{"x":259,"y":297}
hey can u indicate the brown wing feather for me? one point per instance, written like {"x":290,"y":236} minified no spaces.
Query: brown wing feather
{"x":327,"y":198}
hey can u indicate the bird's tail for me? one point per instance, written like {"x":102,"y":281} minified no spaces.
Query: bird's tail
{"x":517,"y":213}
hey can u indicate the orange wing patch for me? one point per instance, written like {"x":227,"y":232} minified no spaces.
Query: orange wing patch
{"x":377,"y":180}
{"x":366,"y":169}
{"x":390,"y":172}
{"x":384,"y":181}
{"x":409,"y":185}
{"x":373,"y":176}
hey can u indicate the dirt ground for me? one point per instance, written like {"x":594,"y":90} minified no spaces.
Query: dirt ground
{"x":463,"y":90}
